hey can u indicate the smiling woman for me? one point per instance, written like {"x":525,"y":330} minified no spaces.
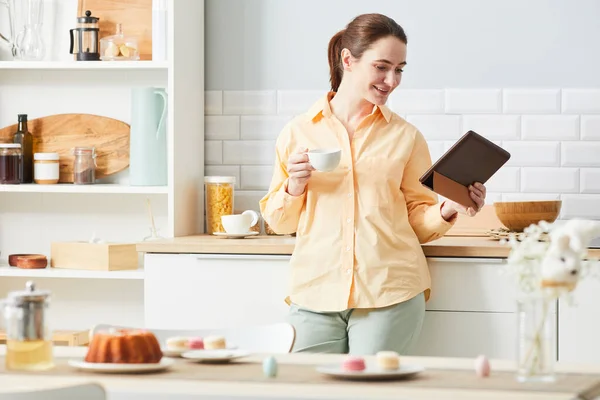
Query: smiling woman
{"x":359,"y":276}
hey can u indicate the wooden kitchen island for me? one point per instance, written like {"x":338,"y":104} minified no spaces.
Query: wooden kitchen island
{"x":443,"y":378}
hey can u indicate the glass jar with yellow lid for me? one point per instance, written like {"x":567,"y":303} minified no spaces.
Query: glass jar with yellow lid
{"x":219,"y":193}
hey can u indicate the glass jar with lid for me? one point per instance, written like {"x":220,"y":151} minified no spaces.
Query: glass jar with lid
{"x":11,"y":163}
{"x":28,"y":334}
{"x":84,"y":165}
{"x":119,"y":47}
{"x":219,"y":193}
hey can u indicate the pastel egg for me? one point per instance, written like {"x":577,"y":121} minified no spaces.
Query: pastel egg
{"x":482,"y":366}
{"x":270,"y":367}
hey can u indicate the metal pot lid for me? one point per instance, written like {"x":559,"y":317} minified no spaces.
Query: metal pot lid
{"x":29,"y":295}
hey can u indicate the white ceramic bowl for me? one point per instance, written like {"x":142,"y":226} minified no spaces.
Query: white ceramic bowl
{"x":325,"y":160}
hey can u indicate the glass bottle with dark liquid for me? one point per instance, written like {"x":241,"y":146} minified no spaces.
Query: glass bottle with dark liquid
{"x":25,"y":139}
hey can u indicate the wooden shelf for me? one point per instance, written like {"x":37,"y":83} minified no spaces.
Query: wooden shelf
{"x":84,"y":65}
{"x":95,"y":189}
{"x":134,"y":274}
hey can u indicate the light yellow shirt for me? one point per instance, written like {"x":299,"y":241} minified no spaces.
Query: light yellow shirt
{"x":359,"y":227}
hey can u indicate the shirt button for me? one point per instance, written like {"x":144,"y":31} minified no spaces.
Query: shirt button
{"x":348,"y":271}
{"x":348,"y":248}
{"x":349,"y":194}
{"x":348,"y":220}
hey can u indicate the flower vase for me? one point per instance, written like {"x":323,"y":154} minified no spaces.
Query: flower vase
{"x":536,"y":351}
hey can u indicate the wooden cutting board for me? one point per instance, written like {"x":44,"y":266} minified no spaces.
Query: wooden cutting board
{"x":479,"y":225}
{"x":60,"y":133}
{"x":135,"y":17}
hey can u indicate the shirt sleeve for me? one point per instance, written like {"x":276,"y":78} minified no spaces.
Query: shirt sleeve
{"x":280,"y":209}
{"x":424,"y":210}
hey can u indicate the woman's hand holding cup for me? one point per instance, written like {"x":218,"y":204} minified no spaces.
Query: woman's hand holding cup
{"x":299,"y":171}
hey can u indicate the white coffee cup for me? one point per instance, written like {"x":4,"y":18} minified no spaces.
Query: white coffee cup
{"x":325,"y":160}
{"x":237,"y":224}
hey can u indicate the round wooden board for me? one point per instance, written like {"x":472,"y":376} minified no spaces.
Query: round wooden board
{"x":60,"y":133}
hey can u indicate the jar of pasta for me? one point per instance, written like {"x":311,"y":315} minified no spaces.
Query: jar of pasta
{"x":219,"y":191}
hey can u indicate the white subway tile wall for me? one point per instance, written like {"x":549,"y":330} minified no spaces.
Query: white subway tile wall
{"x":553,"y":136}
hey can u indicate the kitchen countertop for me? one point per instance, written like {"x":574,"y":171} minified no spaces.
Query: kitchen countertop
{"x":139,"y":386}
{"x":447,"y":246}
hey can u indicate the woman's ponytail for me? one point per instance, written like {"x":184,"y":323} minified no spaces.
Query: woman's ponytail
{"x":335,"y":60}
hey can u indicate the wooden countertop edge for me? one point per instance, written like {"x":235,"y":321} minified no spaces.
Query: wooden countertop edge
{"x":284,"y":245}
{"x":447,"y":246}
{"x":274,"y":249}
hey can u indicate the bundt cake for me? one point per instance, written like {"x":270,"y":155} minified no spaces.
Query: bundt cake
{"x":124,"y":346}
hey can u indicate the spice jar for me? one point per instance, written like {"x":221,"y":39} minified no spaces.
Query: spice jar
{"x":46,"y":168}
{"x":219,"y":191}
{"x":84,"y":165}
{"x":11,"y":170}
{"x":28,"y":336}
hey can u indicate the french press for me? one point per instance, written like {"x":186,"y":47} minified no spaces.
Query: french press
{"x":28,"y":337}
{"x":85,"y":39}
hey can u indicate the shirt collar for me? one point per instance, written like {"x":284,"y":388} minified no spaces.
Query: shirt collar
{"x":322,"y":107}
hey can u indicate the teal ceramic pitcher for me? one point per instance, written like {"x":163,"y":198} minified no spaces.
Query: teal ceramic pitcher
{"x":148,"y":142}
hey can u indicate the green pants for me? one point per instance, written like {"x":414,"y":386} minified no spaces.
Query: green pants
{"x":360,"y":331}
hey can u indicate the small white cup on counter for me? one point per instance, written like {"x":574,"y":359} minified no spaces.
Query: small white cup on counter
{"x":325,"y":160}
{"x":238,"y":224}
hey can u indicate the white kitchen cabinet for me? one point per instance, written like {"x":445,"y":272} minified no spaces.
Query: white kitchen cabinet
{"x":467,"y":334}
{"x":470,"y":284}
{"x":579,"y":325}
{"x":196,"y":291}
{"x":471,"y":312}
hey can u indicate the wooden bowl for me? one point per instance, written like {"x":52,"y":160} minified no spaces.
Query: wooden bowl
{"x":518,"y":215}
{"x":28,"y":261}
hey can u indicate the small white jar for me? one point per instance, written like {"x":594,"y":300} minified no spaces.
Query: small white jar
{"x":46,"y":168}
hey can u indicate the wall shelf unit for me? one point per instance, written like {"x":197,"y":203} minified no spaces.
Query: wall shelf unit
{"x":182,"y":75}
{"x":33,"y":216}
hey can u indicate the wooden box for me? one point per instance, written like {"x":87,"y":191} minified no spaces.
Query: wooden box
{"x":94,"y":256}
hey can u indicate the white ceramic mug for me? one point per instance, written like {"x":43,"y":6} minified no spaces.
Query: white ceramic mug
{"x":324,"y":160}
{"x":238,"y":224}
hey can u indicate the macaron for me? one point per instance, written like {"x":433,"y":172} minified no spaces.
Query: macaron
{"x":177,"y":343}
{"x":388,"y":360}
{"x":353,"y":363}
{"x":196,"y":343}
{"x":214,"y":342}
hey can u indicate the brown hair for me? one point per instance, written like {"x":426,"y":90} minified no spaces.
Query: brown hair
{"x":358,"y":36}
